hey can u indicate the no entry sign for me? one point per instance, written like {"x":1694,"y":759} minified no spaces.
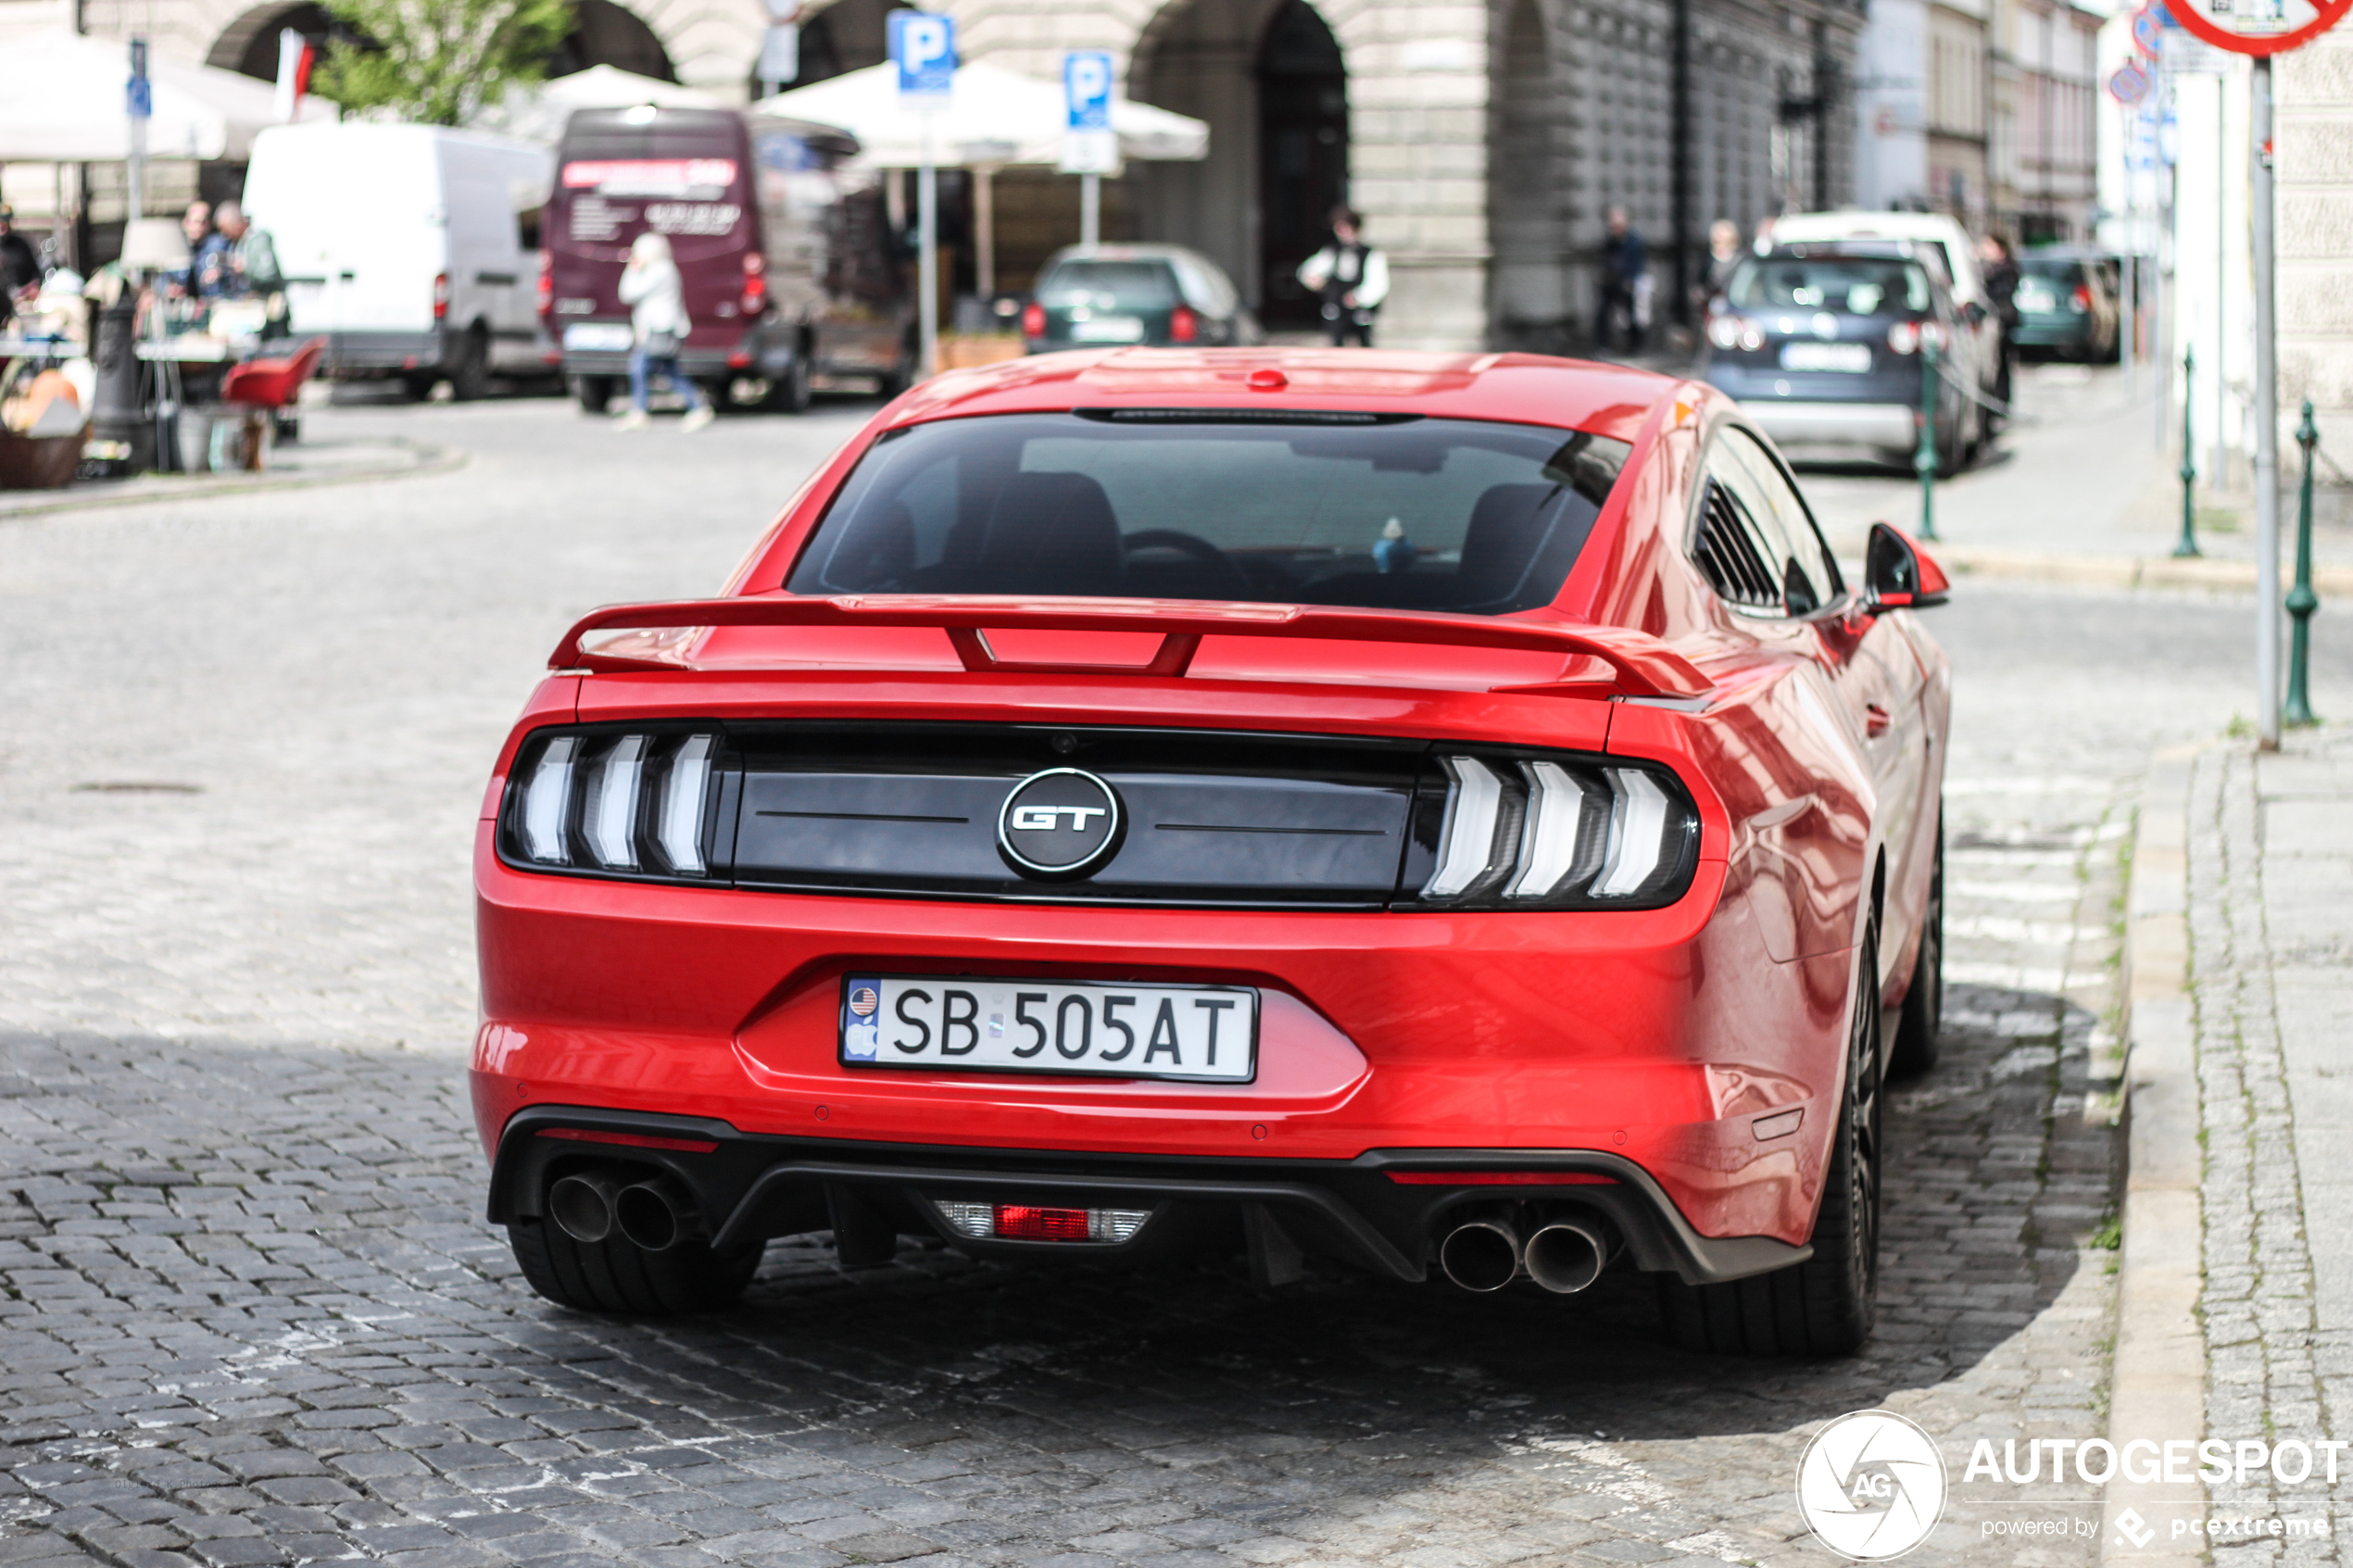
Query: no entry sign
{"x":2258,"y":26}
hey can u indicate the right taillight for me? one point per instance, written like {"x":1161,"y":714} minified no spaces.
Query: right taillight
{"x":636,"y":803}
{"x":1906,"y":337}
{"x":1033,"y":320}
{"x":546,"y":284}
{"x":1536,"y":832}
{"x":1184,"y":324}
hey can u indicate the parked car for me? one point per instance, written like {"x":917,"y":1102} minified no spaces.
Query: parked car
{"x":1978,"y":346}
{"x":1822,"y":344}
{"x":780,"y":239}
{"x":1161,"y":295}
{"x":1445,"y":814}
{"x":2066,"y":304}
{"x":409,"y":248}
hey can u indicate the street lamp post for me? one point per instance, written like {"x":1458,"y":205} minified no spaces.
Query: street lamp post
{"x":2301,"y":600}
{"x":1924,"y":460}
{"x":2187,"y":544}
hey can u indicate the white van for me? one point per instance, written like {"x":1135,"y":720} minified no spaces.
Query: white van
{"x":413,"y":249}
{"x":1980,"y":324}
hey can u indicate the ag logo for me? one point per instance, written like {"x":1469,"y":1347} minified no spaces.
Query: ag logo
{"x":1061,"y":823}
{"x":1871,"y":1485}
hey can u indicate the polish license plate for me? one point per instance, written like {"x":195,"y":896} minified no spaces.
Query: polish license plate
{"x":1109,"y":329}
{"x":592,"y":337}
{"x":1201,"y":1034}
{"x":1852,"y":358}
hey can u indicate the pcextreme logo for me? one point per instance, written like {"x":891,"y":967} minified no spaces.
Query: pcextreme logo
{"x":1871,"y":1485}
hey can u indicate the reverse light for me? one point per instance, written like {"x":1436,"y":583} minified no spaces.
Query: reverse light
{"x":1184,"y":324}
{"x":636,"y":803}
{"x":1536,"y":832}
{"x":1026,"y":1221}
{"x":1033,"y":320}
{"x":441,"y":296}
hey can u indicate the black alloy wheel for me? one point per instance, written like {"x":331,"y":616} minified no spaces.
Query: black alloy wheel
{"x":617,"y":1276}
{"x":1825,"y":1306}
{"x":1919,"y":1031}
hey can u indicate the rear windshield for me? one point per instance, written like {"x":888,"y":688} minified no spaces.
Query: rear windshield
{"x":1856,"y":285}
{"x":1109,"y":285}
{"x":1413,"y":513}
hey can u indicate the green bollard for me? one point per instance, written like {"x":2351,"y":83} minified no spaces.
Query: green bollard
{"x":2187,"y":544}
{"x":1924,"y":460}
{"x":2301,"y":600}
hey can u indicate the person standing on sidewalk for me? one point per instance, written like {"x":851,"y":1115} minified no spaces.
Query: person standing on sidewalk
{"x":2001,"y":288}
{"x":1724,"y":253}
{"x":1625,"y":281}
{"x":657,"y":299}
{"x":1351,"y":278}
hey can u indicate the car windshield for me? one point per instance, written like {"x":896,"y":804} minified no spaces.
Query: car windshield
{"x":1109,"y":285}
{"x":1857,"y":285}
{"x":1362,"y":509}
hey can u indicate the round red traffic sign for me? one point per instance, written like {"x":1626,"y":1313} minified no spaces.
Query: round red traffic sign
{"x":2129,"y":84}
{"x":2259,"y":27}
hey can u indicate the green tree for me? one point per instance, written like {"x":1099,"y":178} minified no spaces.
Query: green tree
{"x":439,"y":61}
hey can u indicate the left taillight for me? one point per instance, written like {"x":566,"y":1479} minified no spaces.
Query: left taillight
{"x":639,"y":803}
{"x":1551,"y":833}
{"x":546,"y":283}
{"x":441,"y":296}
{"x":1184,"y":324}
{"x":755,"y":301}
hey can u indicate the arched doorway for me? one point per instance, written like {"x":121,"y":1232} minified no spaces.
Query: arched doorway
{"x":1302,"y":120}
{"x":602,"y":34}
{"x":847,"y":35}
{"x":606,"y":35}
{"x":1269,"y":79}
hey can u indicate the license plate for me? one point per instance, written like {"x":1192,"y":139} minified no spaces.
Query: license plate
{"x":1852,"y":358}
{"x":1109,"y":329}
{"x":598,"y":336}
{"x":1203,"y":1034}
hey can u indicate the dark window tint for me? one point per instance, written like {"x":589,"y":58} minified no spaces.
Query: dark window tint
{"x":1756,"y":541}
{"x":1406,"y":513}
{"x":1856,"y":286}
{"x":611,"y":133}
{"x":1109,"y":285}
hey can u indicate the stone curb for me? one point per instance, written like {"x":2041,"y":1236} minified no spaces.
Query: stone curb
{"x":2157,"y":1382}
{"x":2123,"y":572}
{"x":422,"y":459}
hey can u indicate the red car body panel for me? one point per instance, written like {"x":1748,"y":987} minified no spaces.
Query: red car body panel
{"x":1661,"y":1037}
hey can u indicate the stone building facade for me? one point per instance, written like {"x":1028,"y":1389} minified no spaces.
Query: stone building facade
{"x":1485,"y":139}
{"x":2313,"y":136}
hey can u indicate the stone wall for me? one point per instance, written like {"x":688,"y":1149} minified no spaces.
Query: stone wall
{"x":2314,"y":141}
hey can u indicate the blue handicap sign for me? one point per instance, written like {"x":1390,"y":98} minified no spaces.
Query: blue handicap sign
{"x":140,"y":98}
{"x":923,"y":45}
{"x":1086,"y":89}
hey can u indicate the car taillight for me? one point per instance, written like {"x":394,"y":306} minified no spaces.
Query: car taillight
{"x":2083,"y":296}
{"x":546,"y":283}
{"x":1538,"y":832}
{"x":1033,"y":320}
{"x":441,"y":296}
{"x":1724,"y":332}
{"x":1184,"y":326}
{"x":755,"y":282}
{"x":1029,"y":1222}
{"x":1906,"y":337}
{"x":638,"y":803}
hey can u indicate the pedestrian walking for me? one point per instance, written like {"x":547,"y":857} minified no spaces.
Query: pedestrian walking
{"x":1724,"y":253}
{"x":657,"y":300}
{"x":1624,"y":281}
{"x":20,"y":265}
{"x":1350,"y":277}
{"x":2001,"y":289}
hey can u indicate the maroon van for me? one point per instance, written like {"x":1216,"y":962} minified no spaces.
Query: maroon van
{"x":780,"y":239}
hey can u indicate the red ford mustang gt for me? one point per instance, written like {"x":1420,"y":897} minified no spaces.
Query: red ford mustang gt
{"x":1430,"y":813}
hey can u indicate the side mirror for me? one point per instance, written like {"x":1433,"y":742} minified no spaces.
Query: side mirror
{"x":1898,"y":575}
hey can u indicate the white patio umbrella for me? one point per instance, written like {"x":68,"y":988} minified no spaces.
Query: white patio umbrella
{"x":994,"y":119}
{"x":537,"y":114}
{"x":62,"y":101}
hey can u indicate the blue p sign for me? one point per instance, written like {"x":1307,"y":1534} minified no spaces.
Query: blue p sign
{"x":1086,"y":89}
{"x":924,"y":46}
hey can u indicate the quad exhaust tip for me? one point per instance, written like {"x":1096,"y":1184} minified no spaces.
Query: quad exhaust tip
{"x":1486,"y":1254}
{"x":653,"y":1214}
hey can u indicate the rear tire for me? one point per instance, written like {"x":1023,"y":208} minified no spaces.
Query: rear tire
{"x":1918,"y":1032}
{"x":791,"y":392}
{"x":616,"y":1276}
{"x":470,"y":375}
{"x":594,"y":392}
{"x":1826,"y":1305}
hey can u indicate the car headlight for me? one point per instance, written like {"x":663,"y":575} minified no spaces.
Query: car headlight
{"x":634,"y":802}
{"x":1538,"y":832}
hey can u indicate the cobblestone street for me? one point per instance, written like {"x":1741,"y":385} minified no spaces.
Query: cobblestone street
{"x":252,"y":1314}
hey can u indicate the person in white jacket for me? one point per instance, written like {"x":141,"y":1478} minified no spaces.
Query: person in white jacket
{"x":657,"y":299}
{"x":1350,"y":277}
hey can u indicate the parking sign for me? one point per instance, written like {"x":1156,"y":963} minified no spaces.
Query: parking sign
{"x":1086,"y":89}
{"x":923,"y":45}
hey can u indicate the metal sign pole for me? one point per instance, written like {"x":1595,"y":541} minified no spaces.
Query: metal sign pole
{"x":2266,"y":422}
{"x":1090,"y":210}
{"x":927,"y":264}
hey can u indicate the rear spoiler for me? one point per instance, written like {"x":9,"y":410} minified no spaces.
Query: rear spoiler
{"x":1640,"y":665}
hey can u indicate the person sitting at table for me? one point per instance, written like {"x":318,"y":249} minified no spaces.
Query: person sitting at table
{"x":244,"y":264}
{"x":196,"y":224}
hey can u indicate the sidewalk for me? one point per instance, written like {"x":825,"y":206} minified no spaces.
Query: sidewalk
{"x":291,"y":466}
{"x":2242,"y":908}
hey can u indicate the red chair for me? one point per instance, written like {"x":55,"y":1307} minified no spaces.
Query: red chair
{"x":263,"y":390}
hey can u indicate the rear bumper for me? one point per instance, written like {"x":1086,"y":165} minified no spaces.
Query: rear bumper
{"x":757,"y":353}
{"x":1885,"y":425}
{"x":352,"y":355}
{"x":748,"y":1188}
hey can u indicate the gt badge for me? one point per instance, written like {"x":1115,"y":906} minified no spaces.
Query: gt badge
{"x":1063,"y":822}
